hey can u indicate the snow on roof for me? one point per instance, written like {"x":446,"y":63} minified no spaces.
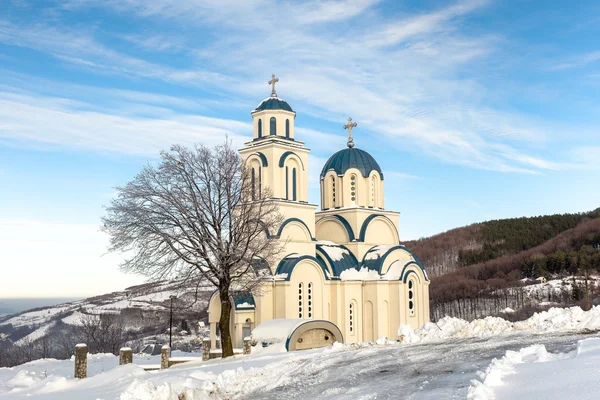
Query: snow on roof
{"x":276,"y":330}
{"x":364,"y":274}
{"x":394,"y":271}
{"x":333,"y":250}
{"x":378,"y":251}
{"x":326,"y":243}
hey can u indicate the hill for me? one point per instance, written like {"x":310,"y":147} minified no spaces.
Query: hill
{"x":483,"y":268}
{"x":135,"y":316}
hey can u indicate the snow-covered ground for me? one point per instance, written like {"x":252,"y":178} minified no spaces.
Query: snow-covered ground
{"x":446,"y":366}
{"x":533,"y":373}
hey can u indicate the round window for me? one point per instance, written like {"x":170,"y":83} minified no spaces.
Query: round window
{"x":410,"y":294}
{"x":410,"y":305}
{"x":410,"y":284}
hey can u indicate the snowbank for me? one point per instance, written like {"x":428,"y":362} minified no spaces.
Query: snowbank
{"x":553,"y":320}
{"x":532,"y":372}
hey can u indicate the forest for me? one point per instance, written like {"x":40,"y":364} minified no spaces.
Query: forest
{"x":483,"y":268}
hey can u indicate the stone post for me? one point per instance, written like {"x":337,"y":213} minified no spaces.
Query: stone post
{"x":125,"y":356}
{"x":247,"y":345}
{"x":81,"y":351}
{"x":205,"y":349}
{"x":165,"y":352}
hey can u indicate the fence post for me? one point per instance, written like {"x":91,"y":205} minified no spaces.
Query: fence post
{"x":247,"y":345}
{"x":81,"y":351}
{"x":125,"y":356}
{"x":165,"y":352}
{"x":205,"y":349}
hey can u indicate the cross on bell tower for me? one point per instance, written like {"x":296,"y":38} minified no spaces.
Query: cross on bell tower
{"x":272,"y":82}
{"x":349,"y":126}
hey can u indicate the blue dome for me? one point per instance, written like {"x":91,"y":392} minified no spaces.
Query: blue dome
{"x":348,"y":158}
{"x":273,"y":103}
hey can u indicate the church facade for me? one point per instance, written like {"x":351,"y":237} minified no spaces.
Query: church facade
{"x":341,"y":263}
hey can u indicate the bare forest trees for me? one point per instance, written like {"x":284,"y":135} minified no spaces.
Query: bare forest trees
{"x":197,"y":216}
{"x":104,"y":333}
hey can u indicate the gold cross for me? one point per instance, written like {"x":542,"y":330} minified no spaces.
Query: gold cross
{"x":272,"y":82}
{"x":349,"y":126}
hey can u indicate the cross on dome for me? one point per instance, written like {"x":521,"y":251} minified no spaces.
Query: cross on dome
{"x":272,"y":82}
{"x":349,"y":126}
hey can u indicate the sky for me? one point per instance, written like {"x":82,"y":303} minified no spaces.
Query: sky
{"x":474,"y":109}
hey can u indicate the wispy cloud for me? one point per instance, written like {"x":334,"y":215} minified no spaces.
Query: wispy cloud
{"x":401,"y":76}
{"x":577,"y":61}
{"x":58,"y":123}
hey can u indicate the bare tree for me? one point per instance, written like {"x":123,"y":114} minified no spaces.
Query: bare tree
{"x":199,"y":215}
{"x":104,"y":333}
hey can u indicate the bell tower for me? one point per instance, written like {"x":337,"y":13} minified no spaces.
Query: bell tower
{"x":280,"y":162}
{"x":277,"y":160}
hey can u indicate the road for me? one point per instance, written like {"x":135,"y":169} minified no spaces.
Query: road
{"x":441,"y":370}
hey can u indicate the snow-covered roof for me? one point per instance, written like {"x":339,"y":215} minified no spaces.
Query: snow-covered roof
{"x":337,"y":257}
{"x":276,"y":330}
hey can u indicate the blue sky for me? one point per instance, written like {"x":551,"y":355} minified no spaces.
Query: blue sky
{"x":475,"y":109}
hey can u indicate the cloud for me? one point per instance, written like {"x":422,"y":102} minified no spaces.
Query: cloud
{"x":60,"y":122}
{"x":408,"y":79}
{"x":577,"y":62}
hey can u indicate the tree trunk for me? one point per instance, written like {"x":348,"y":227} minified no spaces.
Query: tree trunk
{"x":224,"y":323}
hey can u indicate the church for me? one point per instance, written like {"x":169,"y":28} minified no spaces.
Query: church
{"x":343,"y":263}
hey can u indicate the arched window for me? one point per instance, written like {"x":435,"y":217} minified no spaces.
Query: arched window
{"x":273,"y":130}
{"x":253,"y":182}
{"x":287,"y":128}
{"x":373,"y":192}
{"x":310,"y":287}
{"x":411,"y":297}
{"x":259,"y":181}
{"x":287,"y":184}
{"x":294,"y":184}
{"x":353,"y":188}
{"x":332,"y":191}
{"x":300,"y":300}
{"x":351,"y":318}
{"x":259,"y":128}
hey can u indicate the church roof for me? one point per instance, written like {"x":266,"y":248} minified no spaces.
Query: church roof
{"x":348,"y":158}
{"x":273,"y":103}
{"x":338,"y":257}
{"x":243,"y":300}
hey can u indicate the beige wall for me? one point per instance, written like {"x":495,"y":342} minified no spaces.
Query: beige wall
{"x":280,"y":117}
{"x":336,"y":191}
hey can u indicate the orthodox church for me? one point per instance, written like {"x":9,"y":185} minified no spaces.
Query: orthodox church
{"x":343,"y":263}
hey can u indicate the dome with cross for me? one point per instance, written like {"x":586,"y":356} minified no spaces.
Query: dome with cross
{"x":273,"y":103}
{"x":351,"y":157}
{"x":351,"y":178}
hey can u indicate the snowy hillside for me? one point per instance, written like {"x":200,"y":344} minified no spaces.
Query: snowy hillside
{"x":143,"y":305}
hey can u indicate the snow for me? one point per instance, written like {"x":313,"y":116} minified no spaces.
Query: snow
{"x":378,"y":251}
{"x":532,"y":372}
{"x":245,"y":305}
{"x":364,"y":274}
{"x":280,"y":277}
{"x":333,"y":250}
{"x":364,"y":371}
{"x":572,"y":319}
{"x":38,"y":333}
{"x":394,"y":271}
{"x":276,"y":331}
